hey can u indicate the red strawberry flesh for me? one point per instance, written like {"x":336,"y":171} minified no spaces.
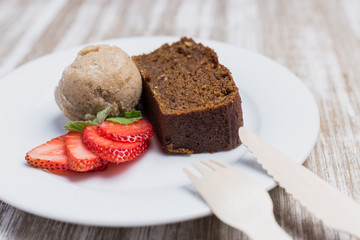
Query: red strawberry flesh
{"x":80,"y":158}
{"x":137,"y":131}
{"x":50,"y":155}
{"x":115,"y":152}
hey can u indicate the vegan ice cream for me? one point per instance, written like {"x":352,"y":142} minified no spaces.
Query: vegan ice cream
{"x":101,"y":76}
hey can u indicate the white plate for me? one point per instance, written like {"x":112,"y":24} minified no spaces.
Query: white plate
{"x":152,"y":189}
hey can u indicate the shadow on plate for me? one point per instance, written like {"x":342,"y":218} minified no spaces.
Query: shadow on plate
{"x":59,"y":122}
{"x":248,"y":161}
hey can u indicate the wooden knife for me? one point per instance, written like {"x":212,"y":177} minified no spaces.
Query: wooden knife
{"x":331,"y":206}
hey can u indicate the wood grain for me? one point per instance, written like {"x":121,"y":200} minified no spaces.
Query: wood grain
{"x":318,"y":40}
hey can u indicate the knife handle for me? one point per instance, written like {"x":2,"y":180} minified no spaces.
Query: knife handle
{"x":331,"y":206}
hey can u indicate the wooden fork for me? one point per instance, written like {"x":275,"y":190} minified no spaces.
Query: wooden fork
{"x":237,"y":200}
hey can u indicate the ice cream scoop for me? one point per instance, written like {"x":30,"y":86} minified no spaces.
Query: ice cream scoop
{"x":101,"y":76}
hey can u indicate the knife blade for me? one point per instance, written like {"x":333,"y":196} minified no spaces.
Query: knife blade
{"x":335,"y":209}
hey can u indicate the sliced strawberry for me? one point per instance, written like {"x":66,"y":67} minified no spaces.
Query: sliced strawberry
{"x":115,"y":152}
{"x":50,"y":155}
{"x":80,"y":158}
{"x":98,"y":169}
{"x":137,"y":131}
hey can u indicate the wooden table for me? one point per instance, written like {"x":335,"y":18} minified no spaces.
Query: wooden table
{"x":318,"y":40}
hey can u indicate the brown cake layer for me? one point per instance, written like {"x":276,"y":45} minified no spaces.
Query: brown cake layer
{"x":190,"y":98}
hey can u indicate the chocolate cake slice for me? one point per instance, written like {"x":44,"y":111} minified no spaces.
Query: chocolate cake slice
{"x":190,"y":98}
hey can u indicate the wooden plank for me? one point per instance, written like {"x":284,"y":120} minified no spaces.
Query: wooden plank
{"x":33,"y":26}
{"x":317,"y":40}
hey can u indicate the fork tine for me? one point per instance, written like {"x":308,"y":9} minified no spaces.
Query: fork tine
{"x":219,"y":163}
{"x":212,"y":165}
{"x":201,"y":169}
{"x":192,"y":176}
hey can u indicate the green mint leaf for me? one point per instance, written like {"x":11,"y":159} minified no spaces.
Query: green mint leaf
{"x":91,"y":123}
{"x":102,"y":115}
{"x":79,"y":126}
{"x":123,"y":120}
{"x":132,"y":114}
{"x":127,"y":117}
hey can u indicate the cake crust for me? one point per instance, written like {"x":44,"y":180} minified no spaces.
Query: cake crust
{"x":190,"y":98}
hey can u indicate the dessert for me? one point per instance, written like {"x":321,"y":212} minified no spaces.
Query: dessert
{"x":138,"y":132}
{"x":101,"y":76}
{"x":50,"y":155}
{"x":190,"y":98}
{"x":79,"y":157}
{"x":85,"y":148}
{"x":112,"y":151}
{"x":63,"y":154}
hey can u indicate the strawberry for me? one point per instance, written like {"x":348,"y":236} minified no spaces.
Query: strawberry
{"x":50,"y":155}
{"x":115,"y":152}
{"x":98,"y":169}
{"x":80,"y":158}
{"x":137,"y":131}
